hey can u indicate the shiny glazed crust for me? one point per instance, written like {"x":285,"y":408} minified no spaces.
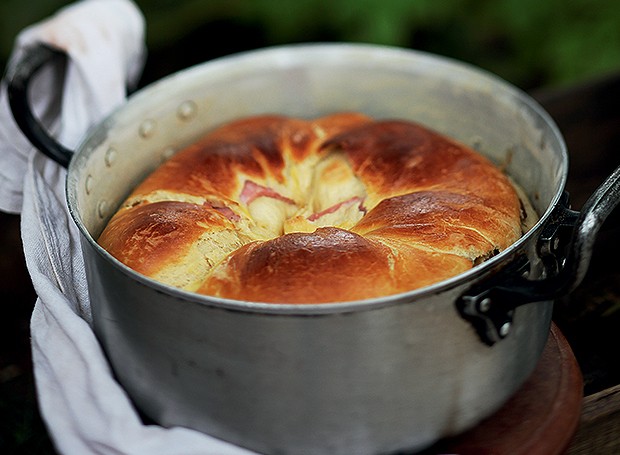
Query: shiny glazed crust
{"x":339,"y":208}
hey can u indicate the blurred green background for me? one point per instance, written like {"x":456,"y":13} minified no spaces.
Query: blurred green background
{"x":531,"y":43}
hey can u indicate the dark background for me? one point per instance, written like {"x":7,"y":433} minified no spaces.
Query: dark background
{"x":565,"y":53}
{"x":531,"y":43}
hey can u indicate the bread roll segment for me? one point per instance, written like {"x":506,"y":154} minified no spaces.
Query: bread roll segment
{"x":339,"y":208}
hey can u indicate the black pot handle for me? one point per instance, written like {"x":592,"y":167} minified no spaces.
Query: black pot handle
{"x":19,"y":77}
{"x":564,"y":247}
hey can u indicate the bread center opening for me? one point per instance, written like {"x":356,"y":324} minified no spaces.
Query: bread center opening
{"x":330,"y":195}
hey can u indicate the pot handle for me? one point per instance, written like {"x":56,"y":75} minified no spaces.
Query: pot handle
{"x":565,"y":249}
{"x":19,"y":76}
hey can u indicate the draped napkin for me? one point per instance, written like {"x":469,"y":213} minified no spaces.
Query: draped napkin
{"x":85,"y":410}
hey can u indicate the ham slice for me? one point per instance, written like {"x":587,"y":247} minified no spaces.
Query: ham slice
{"x":252,"y":190}
{"x":335,"y":207}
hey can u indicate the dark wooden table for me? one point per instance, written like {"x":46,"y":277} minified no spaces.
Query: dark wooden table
{"x":588,"y":116}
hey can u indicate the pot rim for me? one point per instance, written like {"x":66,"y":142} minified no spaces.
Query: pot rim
{"x":334,"y":50}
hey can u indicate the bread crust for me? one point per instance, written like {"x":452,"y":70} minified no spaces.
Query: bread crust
{"x":339,"y":208}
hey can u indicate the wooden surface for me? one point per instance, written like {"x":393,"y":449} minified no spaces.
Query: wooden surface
{"x":599,"y":426}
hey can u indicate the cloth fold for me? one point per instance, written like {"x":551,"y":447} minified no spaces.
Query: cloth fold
{"x":85,"y":410}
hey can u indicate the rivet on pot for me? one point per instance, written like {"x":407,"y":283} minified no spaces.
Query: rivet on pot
{"x":187,"y":110}
{"x":485,"y":305}
{"x":88,"y":184}
{"x":102,"y":208}
{"x":505,"y":329}
{"x":147,"y":128}
{"x":556,"y":244}
{"x":167,"y":153}
{"x":476,"y":143}
{"x":110,"y":156}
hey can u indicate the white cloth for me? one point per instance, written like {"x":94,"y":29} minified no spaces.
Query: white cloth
{"x":85,"y":409}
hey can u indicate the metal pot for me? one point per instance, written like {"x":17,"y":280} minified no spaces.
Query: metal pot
{"x":362,"y":377}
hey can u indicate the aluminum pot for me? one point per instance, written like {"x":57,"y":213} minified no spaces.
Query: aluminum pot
{"x":364,"y":377}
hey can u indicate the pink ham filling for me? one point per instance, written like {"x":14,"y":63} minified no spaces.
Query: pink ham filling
{"x":226,"y":211}
{"x":335,"y":207}
{"x":252,"y":190}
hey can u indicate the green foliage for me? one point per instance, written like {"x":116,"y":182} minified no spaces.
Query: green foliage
{"x":528,"y":42}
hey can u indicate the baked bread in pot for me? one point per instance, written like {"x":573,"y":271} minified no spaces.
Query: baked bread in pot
{"x":344,"y":207}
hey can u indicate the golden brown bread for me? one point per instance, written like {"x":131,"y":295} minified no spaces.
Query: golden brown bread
{"x":339,"y":208}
